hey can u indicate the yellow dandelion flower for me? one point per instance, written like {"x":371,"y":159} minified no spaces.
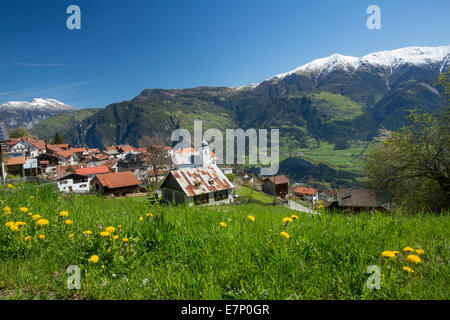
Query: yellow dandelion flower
{"x":395,"y":252}
{"x":294,"y":216}
{"x":119,"y":226}
{"x":413,"y":258}
{"x":68,"y":221}
{"x":408,"y":269}
{"x":13,"y":227}
{"x":30,"y":214}
{"x":64,"y":214}
{"x":94,"y":258}
{"x":287,"y":220}
{"x":222,"y":224}
{"x":110,"y":229}
{"x":23,"y":209}
{"x":406,"y":249}
{"x":9,"y":224}
{"x":31,"y":197}
{"x":27,"y":238}
{"x":10,"y":186}
{"x":251,"y":218}
{"x":42,"y":222}
{"x":125,"y":239}
{"x":108,"y":251}
{"x":284,"y":234}
{"x":35,"y":216}
{"x":20,"y":224}
{"x":388,"y":254}
{"x":7,"y":210}
{"x":420,"y":251}
{"x":42,"y":236}
{"x":70,"y":236}
{"x":104,"y":234}
{"x":87,"y":232}
{"x":140,"y":218}
{"x":102,"y":266}
{"x":116,"y":237}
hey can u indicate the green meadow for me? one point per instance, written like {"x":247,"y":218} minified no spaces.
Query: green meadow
{"x":170,"y":252}
{"x":349,"y":159}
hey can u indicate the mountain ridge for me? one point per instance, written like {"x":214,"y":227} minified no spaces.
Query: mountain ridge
{"x":304,"y":105}
{"x":30,"y":113}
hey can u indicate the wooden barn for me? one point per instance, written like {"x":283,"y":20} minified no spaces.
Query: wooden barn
{"x":276,"y":186}
{"x":196,"y":186}
{"x":118,"y":184}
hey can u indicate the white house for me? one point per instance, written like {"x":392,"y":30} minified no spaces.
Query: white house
{"x":307,"y":194}
{"x":70,"y":182}
{"x":31,"y":147}
{"x":195,"y":186}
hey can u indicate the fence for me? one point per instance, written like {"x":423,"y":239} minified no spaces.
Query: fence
{"x":38,"y":180}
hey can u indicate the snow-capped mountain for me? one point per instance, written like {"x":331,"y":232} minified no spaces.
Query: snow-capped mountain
{"x":29,"y":113}
{"x":388,"y":60}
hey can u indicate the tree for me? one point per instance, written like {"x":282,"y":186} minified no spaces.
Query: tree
{"x":412,"y":166}
{"x":341,"y":144}
{"x":157,"y":154}
{"x":57,"y":139}
{"x":19,"y":132}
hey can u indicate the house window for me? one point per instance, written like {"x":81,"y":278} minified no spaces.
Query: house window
{"x":83,"y":186}
{"x":220,"y":195}
{"x":201,"y":199}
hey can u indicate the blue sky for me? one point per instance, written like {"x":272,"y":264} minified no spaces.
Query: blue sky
{"x":124,"y":47}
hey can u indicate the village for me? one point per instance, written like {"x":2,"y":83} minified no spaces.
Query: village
{"x":186,"y":175}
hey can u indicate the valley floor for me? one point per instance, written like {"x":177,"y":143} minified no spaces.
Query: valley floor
{"x":212,"y":252}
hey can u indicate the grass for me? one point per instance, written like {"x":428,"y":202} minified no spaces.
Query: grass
{"x":62,"y":123}
{"x":348,"y":159}
{"x":334,"y":107}
{"x":247,"y":192}
{"x":183,"y":253}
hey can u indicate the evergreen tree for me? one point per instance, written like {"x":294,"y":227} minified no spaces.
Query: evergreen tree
{"x":58,"y":139}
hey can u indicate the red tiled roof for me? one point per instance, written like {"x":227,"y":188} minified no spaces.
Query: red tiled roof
{"x":117,"y":180}
{"x":77,"y":150}
{"x":15,"y":161}
{"x":101,"y":157}
{"x":307,"y":191}
{"x":53,"y":148}
{"x":64,"y":146}
{"x":40,"y":144}
{"x":13,"y":141}
{"x":65,"y":153}
{"x":185,"y":150}
{"x":93,"y":170}
{"x":281,"y":179}
{"x":126,"y":149}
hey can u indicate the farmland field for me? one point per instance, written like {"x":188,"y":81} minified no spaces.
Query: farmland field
{"x":348,"y":159}
{"x":134,"y":252}
{"x":256,"y":195}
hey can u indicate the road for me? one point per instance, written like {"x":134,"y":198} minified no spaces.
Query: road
{"x":298,"y":207}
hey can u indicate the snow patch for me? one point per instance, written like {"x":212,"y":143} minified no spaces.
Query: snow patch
{"x":383,"y":59}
